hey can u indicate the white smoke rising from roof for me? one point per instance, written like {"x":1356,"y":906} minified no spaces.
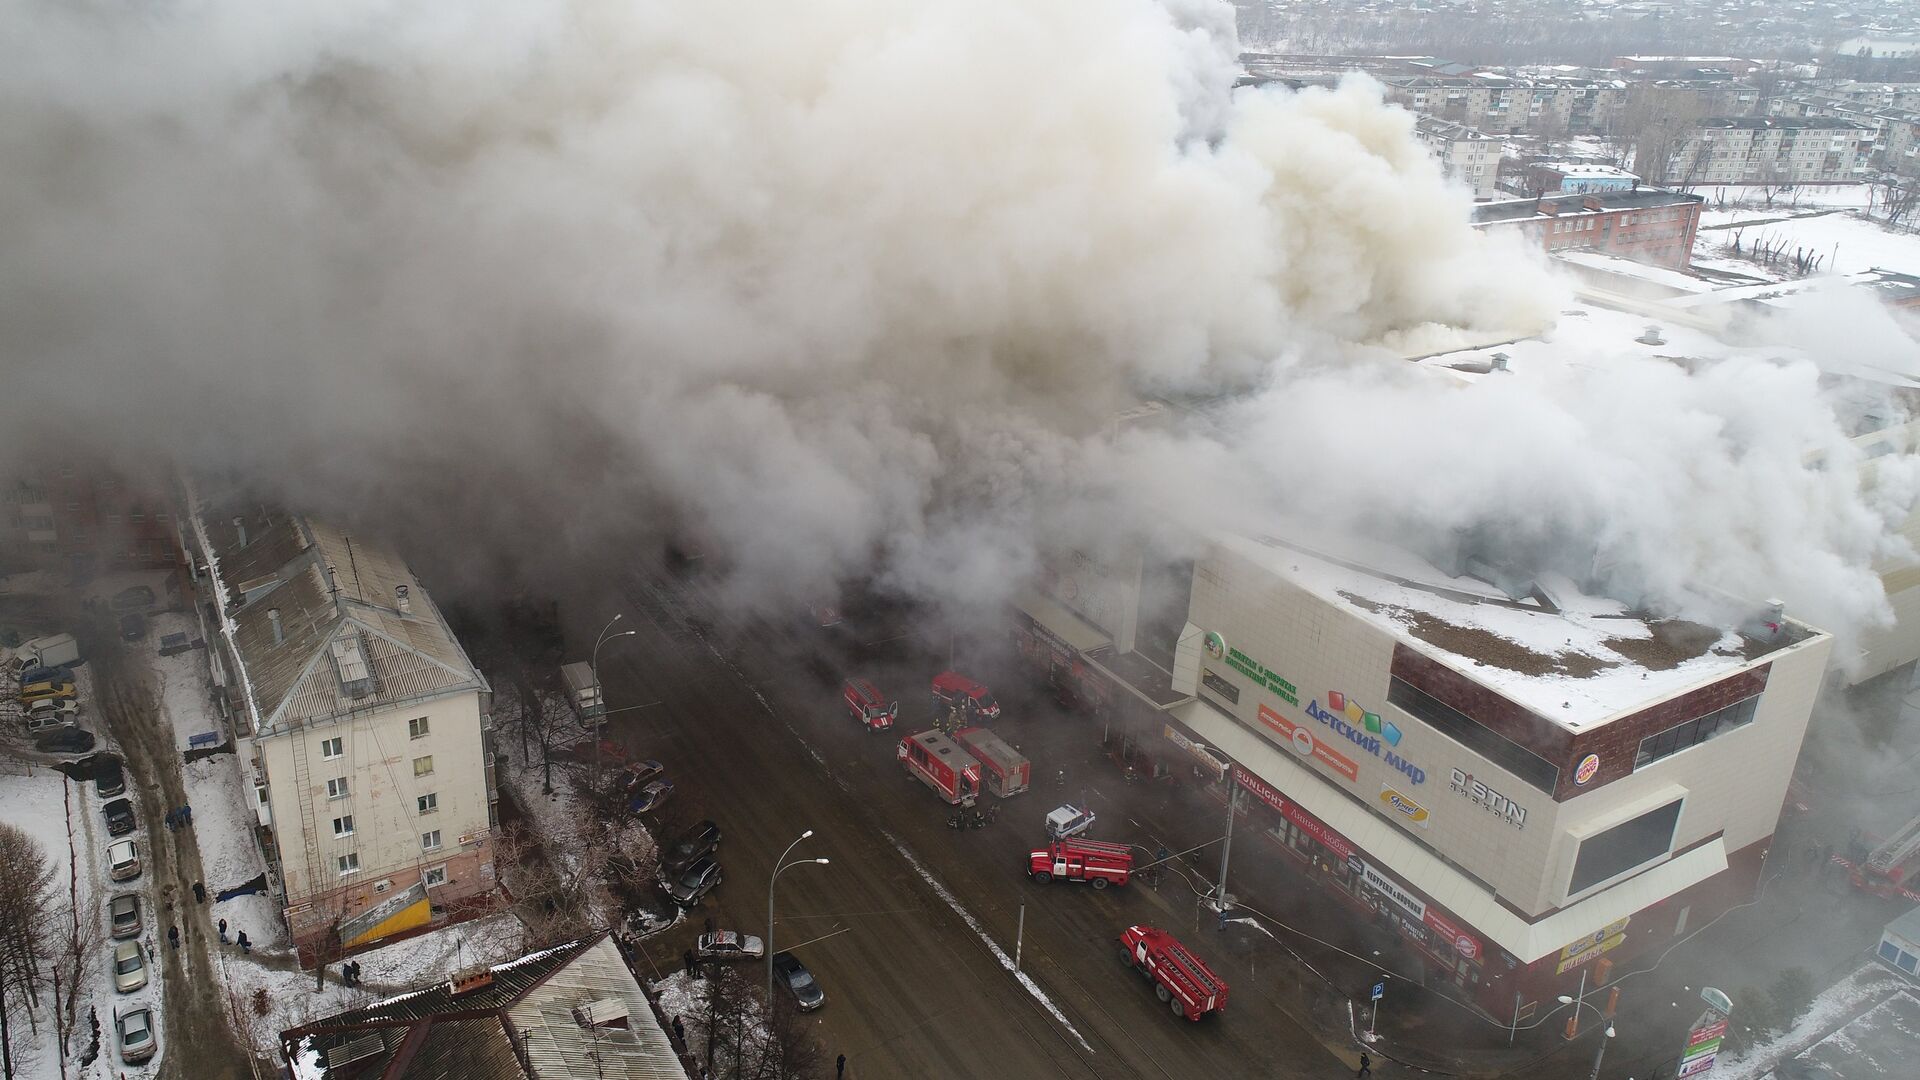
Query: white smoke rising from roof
{"x":818,"y":284}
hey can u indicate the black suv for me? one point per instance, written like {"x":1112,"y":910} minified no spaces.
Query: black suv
{"x":119,"y":814}
{"x":109,"y":777}
{"x":71,"y":740}
{"x":695,"y":882}
{"x":697,"y":842}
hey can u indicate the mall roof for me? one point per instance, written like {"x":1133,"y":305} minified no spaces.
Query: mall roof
{"x":1574,"y":659}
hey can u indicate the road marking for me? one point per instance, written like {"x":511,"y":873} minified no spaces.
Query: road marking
{"x":980,"y":932}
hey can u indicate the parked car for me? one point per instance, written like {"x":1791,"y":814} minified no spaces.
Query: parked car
{"x":47,"y":688}
{"x":639,"y":774}
{"x":700,"y":840}
{"x":695,"y":882}
{"x":109,"y":777}
{"x":123,"y":860}
{"x":119,"y":814}
{"x":129,"y":967}
{"x":65,"y":740}
{"x":133,"y":626}
{"x":650,"y":797}
{"x":1068,"y":820}
{"x":794,"y":975}
{"x":123,"y":915}
{"x":58,"y":710}
{"x":728,"y":945}
{"x":38,"y":674}
{"x":134,"y":1027}
{"x":133,"y":599}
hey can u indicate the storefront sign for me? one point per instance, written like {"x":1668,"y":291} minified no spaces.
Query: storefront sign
{"x":1589,"y":765}
{"x":1302,"y":820}
{"x":1404,"y":806}
{"x":1306,"y":745}
{"x":1218,"y":685}
{"x":1203,"y":754}
{"x":1582,"y":944}
{"x":1463,"y":943}
{"x":1352,"y":722}
{"x":1473,"y":790}
{"x":1703,"y":1044}
{"x":1591,"y":952}
{"x":1258,"y":672}
{"x":1391,"y":889}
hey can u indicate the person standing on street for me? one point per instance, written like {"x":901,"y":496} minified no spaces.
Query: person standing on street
{"x":245,"y":945}
{"x":1366,"y":1066}
{"x":686,"y":958}
{"x":839,"y":1067}
{"x":223,"y":931}
{"x":199,"y":893}
{"x":173,"y":937}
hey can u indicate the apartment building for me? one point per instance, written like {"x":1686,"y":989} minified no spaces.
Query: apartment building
{"x":79,"y":514}
{"x":1646,"y":225}
{"x":360,"y":717}
{"x":1891,"y":134}
{"x":1668,"y":66}
{"x":1471,"y":158}
{"x":1777,"y":149}
{"x":1506,"y":105}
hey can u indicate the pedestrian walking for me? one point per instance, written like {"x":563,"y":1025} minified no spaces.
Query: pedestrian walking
{"x":199,"y":893}
{"x":356,"y":973}
{"x":173,"y":936}
{"x":687,"y":959}
{"x":245,"y":945}
{"x":149,"y":950}
{"x":839,"y":1067}
{"x":1366,"y":1067}
{"x":223,"y":931}
{"x":169,"y":821}
{"x":679,"y":1033}
{"x":186,"y":815}
{"x":709,"y":926}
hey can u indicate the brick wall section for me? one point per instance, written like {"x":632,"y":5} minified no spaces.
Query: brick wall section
{"x":1494,"y":712}
{"x":1616,"y":741}
{"x":1619,"y":740}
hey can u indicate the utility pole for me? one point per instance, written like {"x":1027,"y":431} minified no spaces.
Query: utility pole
{"x":1019,"y":937}
{"x":1226,"y":847}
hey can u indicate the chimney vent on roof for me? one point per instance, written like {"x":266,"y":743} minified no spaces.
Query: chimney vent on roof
{"x":279,"y":632}
{"x":1767,"y":624}
{"x":402,"y":600}
{"x":1499,"y":362}
{"x":240,"y":528}
{"x":333,"y":583}
{"x":467,"y":980}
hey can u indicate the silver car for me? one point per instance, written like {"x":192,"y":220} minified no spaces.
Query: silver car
{"x":135,"y":1029}
{"x":129,"y":967}
{"x":123,"y":915}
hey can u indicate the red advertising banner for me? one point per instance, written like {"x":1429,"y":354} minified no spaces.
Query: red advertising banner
{"x":1464,"y":943}
{"x":1305,"y":744}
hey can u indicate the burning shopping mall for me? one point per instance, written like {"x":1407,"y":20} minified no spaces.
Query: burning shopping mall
{"x":1529,"y":783}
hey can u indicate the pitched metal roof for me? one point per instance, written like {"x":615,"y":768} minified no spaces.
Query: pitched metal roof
{"x":522,"y":1025}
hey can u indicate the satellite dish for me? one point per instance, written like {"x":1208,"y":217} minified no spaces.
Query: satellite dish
{"x":1716,"y":999}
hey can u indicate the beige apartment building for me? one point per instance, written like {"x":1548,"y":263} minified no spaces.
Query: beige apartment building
{"x":1763,"y":149}
{"x":1469,"y":157}
{"x":363,"y":723}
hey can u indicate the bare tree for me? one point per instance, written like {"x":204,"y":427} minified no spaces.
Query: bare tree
{"x":26,"y":931}
{"x":545,"y":721}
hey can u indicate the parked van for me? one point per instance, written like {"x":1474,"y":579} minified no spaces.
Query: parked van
{"x":868,"y":705}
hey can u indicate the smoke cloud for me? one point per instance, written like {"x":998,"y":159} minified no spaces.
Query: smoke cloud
{"x":824,"y":289}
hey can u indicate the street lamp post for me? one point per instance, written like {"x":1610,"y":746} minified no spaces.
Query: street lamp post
{"x":780,"y":865}
{"x":600,"y":721}
{"x":1605,"y":1036}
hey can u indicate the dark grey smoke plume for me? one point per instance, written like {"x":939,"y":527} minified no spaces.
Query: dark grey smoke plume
{"x":818,"y":286}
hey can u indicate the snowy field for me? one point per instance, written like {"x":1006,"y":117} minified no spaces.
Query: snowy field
{"x":1849,"y":998}
{"x":1846,"y":243}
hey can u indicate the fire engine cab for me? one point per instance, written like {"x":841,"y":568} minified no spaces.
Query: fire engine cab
{"x":869,"y":707}
{"x":1008,"y":772}
{"x":1096,"y":862}
{"x":1188,"y":986}
{"x":952,"y":690}
{"x":942,"y":765}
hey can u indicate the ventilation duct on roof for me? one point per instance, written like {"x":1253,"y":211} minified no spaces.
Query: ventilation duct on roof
{"x":402,"y":602}
{"x":350,"y":664}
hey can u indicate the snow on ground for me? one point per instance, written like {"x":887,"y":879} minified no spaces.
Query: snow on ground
{"x":1851,"y":196}
{"x":268,"y":995}
{"x":1874,"y":1044}
{"x":64,"y":817}
{"x":1844,"y":242}
{"x":1829,"y":1011}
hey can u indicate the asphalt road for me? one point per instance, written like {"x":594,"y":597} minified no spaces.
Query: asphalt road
{"x":747,"y":718}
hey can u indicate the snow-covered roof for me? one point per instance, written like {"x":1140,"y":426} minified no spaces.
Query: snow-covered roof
{"x":1574,"y":659}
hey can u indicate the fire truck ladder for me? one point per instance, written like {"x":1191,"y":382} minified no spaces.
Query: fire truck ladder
{"x":1897,"y":849}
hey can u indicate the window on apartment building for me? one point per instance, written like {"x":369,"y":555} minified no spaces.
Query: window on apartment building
{"x":430,"y":841}
{"x":160,"y":516}
{"x":423,"y":766}
{"x":1615,"y":851}
{"x":348,"y":863}
{"x":416,"y":727}
{"x":343,"y":825}
{"x":337,"y":788}
{"x":113,"y":519}
{"x":332,"y":748}
{"x":1469,"y":733}
{"x":428,"y":803}
{"x":434,"y":875}
{"x":1693,"y":732}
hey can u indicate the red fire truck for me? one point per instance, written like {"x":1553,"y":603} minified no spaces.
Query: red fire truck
{"x":868,"y":705}
{"x":1008,"y":771}
{"x":942,"y":765}
{"x":1180,"y":979}
{"x":1893,"y":866}
{"x":1096,"y":862}
{"x":952,"y":690}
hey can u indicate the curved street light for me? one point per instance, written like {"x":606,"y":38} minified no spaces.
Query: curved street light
{"x":780,"y":865}
{"x":1606,"y":1036}
{"x":599,"y":722}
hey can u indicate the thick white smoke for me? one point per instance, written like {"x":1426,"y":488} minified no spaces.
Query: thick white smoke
{"x":818,"y":285}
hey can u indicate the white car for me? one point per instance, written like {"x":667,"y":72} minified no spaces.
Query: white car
{"x":123,"y":860}
{"x":1068,"y":820}
{"x":728,"y":945}
{"x":134,"y":1026}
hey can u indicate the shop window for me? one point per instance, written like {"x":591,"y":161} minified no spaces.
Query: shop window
{"x":1693,"y":732}
{"x":1469,"y":733}
{"x":1629,"y":844}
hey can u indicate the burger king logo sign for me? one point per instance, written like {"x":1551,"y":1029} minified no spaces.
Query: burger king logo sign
{"x":1588,"y":766}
